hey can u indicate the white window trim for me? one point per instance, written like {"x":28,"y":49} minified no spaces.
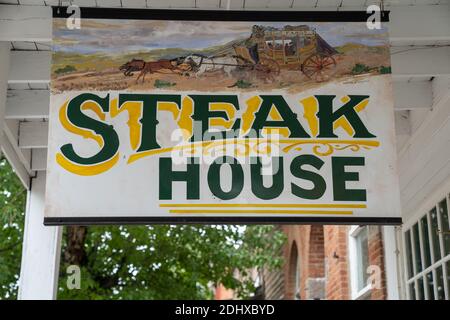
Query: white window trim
{"x":391,"y":261}
{"x":432,"y":199}
{"x":353,"y":263}
{"x":433,"y":202}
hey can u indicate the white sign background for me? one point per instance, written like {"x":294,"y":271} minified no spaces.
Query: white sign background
{"x":129,"y":192}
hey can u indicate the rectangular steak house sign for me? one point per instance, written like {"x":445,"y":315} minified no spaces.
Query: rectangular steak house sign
{"x":170,"y":116}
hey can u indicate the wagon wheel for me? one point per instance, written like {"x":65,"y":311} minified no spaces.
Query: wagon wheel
{"x":269,"y":65}
{"x":319,"y":67}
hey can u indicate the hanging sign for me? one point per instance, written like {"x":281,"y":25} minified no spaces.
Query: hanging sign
{"x":232,"y":117}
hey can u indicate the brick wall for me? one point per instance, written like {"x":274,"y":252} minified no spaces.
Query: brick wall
{"x":316,"y":252}
{"x":376,"y":258}
{"x":324,"y":263}
{"x":295,"y":248}
{"x":336,"y":257}
{"x":308,"y":242}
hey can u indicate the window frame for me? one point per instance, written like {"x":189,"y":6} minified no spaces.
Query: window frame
{"x":353,"y":263}
{"x":413,"y":280}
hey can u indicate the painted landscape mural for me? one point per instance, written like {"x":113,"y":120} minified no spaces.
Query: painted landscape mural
{"x":204,"y":56}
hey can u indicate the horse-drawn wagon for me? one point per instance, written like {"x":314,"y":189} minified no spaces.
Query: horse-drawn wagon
{"x":270,"y":49}
{"x":266,"y":52}
{"x":290,"y":47}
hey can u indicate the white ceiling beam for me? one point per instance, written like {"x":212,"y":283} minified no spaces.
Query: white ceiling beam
{"x":210,"y":4}
{"x":25,"y":23}
{"x":33,"y":134}
{"x":27,"y":104}
{"x":170,"y":4}
{"x":85,"y":3}
{"x":19,"y":159}
{"x":419,"y":24}
{"x":131,"y":3}
{"x":412,"y":95}
{"x":4,"y":68}
{"x":402,"y":123}
{"x":39,"y":159}
{"x":11,"y":130}
{"x":34,"y":23}
{"x":34,"y":2}
{"x":30,"y":66}
{"x":420,"y":61}
{"x":259,"y":4}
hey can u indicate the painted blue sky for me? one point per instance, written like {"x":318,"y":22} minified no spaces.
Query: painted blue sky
{"x":124,"y":36}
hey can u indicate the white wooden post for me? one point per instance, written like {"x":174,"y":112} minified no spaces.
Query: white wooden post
{"x":41,"y":248}
{"x":4,"y":72}
{"x":391,"y":262}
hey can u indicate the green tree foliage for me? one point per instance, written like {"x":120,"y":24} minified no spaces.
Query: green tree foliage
{"x":140,"y":262}
{"x":169,"y":262}
{"x":12,"y":205}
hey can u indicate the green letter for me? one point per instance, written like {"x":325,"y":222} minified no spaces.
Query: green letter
{"x":319,"y":183}
{"x":167,"y":176}
{"x":149,"y":118}
{"x":340,"y":176}
{"x":79,"y":119}
{"x":258,"y":187}
{"x":237,"y":178}
{"x":289,"y":117}
{"x":327,"y":117}
{"x":203,"y":113}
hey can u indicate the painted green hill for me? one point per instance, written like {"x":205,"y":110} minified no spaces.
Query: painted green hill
{"x":64,"y":62}
{"x":350,"y":47}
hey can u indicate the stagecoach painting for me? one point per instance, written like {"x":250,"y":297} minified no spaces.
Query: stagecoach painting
{"x":209,"y":56}
{"x":269,"y":49}
{"x":293,"y":47}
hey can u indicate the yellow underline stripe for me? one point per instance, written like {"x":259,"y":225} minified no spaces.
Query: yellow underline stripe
{"x":262,"y":205}
{"x":263,"y":211}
